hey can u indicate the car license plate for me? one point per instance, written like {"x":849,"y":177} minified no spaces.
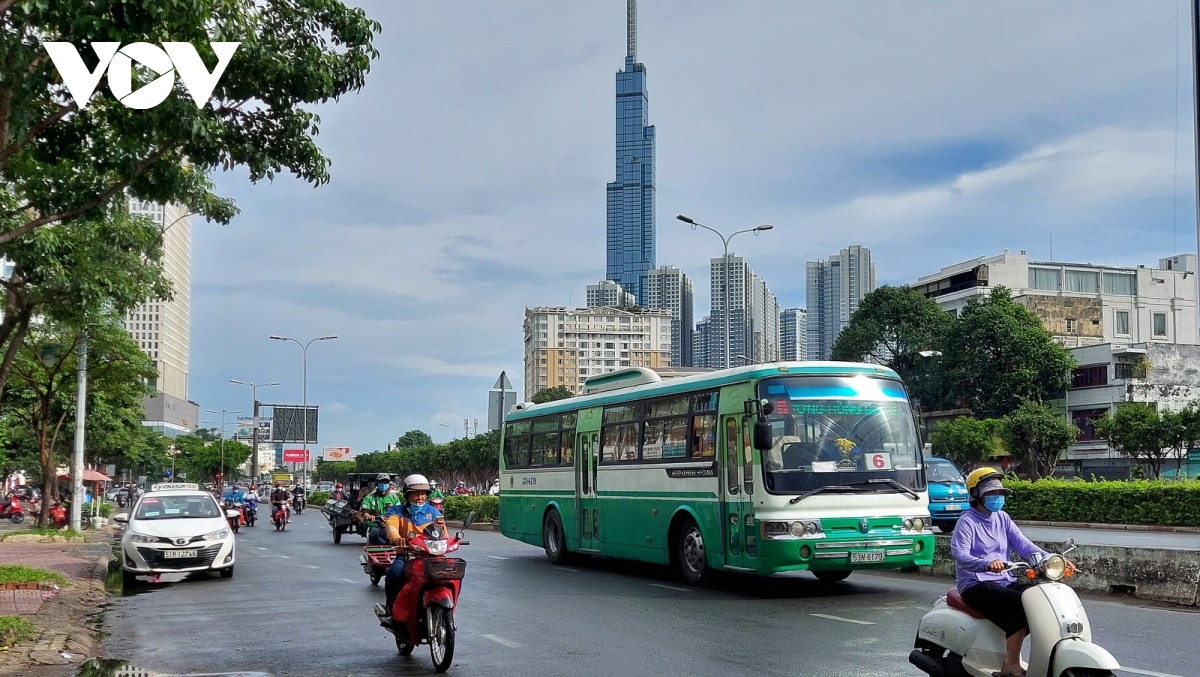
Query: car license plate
{"x":954,"y":507}
{"x":866,"y":557}
{"x":179,"y":554}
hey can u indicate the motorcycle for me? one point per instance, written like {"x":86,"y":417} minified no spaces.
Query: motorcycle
{"x":251,"y":510}
{"x":280,"y":516}
{"x":236,"y":515}
{"x":58,"y":515}
{"x":298,"y":504}
{"x":423,"y":612}
{"x":954,"y":639}
{"x":375,"y":561}
{"x":12,"y":510}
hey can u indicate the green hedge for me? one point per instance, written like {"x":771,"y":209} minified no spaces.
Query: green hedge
{"x":1172,"y":503}
{"x":318,"y":498}
{"x":487,"y":508}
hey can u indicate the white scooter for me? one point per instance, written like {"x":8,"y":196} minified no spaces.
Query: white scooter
{"x":953,"y":639}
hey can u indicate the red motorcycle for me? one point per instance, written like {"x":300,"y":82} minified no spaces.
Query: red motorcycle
{"x":58,"y":515}
{"x":280,"y":516}
{"x":12,"y":510}
{"x":423,"y":612}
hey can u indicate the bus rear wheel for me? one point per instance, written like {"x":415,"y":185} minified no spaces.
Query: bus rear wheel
{"x":689,"y":549}
{"x":553,"y":539}
{"x":832,"y":576}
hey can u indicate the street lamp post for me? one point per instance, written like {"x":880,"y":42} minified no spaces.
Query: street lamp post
{"x":725,"y":266}
{"x":254,"y":431}
{"x":455,"y":429}
{"x":222,"y":438}
{"x":304,"y":386}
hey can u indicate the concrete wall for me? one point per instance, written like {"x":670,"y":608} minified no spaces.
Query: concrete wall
{"x":1171,"y":576}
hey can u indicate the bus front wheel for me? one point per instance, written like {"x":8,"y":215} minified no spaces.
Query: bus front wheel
{"x":832,"y":576}
{"x":689,"y":548}
{"x":553,"y":540}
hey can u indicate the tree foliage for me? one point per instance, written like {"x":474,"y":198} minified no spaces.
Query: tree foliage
{"x":413,"y":439}
{"x":966,"y":441}
{"x":551,"y":394}
{"x":1038,"y":436}
{"x":1137,"y":430}
{"x":202,"y":460}
{"x":475,"y":460}
{"x":997,"y":356}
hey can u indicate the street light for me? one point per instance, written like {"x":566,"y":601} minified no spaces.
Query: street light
{"x":304,"y":404}
{"x":254,"y":431}
{"x":222,"y":438}
{"x":725,"y":265}
{"x":455,"y":429}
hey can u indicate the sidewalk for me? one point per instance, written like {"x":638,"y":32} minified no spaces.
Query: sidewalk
{"x":68,"y":617}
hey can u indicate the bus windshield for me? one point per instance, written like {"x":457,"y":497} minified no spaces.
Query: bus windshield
{"x":850,"y":432}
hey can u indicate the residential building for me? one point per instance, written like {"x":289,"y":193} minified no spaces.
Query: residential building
{"x":565,"y":347}
{"x":793,"y":334}
{"x":753,"y":316}
{"x":1082,"y":304}
{"x":834,"y":288}
{"x":609,"y":293}
{"x":630,"y":245}
{"x":669,"y":288}
{"x":702,"y":340}
{"x":1108,"y":375}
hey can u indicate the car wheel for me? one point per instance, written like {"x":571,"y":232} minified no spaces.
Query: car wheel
{"x":832,"y":576}
{"x":128,"y":580}
{"x":689,"y":547}
{"x":227,"y":572}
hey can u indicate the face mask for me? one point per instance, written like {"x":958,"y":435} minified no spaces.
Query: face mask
{"x":993,"y":503}
{"x":383,"y":487}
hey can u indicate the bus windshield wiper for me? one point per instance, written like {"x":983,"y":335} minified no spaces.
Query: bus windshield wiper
{"x":887,"y":480}
{"x":827,"y":487}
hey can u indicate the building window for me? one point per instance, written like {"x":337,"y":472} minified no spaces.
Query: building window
{"x":1085,"y":420}
{"x":1071,"y":328}
{"x":1091,"y":376}
{"x":1045,"y":279}
{"x":1087,"y":281}
{"x":1124,"y":284}
{"x":1122,"y":370}
{"x":1160,"y":325}
{"x":1121,"y":320}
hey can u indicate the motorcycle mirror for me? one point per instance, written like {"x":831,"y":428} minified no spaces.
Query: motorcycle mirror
{"x":459,"y":536}
{"x":1068,"y":544}
{"x":121,"y":517}
{"x":469,"y":519}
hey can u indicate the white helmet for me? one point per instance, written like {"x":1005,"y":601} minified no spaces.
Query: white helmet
{"x":416,"y":482}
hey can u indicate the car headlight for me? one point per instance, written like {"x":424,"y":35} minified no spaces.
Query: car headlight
{"x":215,"y":535}
{"x":1054,"y":567}
{"x":142,"y":538}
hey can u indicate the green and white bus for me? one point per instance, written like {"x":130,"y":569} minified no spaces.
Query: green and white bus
{"x":764,"y":468}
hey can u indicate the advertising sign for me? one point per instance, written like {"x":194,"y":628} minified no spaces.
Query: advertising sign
{"x":337,"y":454}
{"x":290,"y":422}
{"x":295,"y":455}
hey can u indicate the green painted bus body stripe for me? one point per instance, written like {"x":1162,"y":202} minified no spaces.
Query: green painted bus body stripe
{"x":659,"y":495}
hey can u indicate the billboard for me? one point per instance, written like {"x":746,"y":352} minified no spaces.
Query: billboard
{"x":295,"y":455}
{"x":336,"y":454}
{"x":288,"y":424}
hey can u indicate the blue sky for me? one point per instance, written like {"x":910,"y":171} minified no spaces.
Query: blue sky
{"x":468,"y":175}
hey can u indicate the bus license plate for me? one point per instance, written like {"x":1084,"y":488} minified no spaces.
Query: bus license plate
{"x":866,"y":557}
{"x":184,"y":554}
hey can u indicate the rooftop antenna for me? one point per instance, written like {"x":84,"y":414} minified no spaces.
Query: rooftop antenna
{"x":632,"y":9}
{"x":1051,"y":245}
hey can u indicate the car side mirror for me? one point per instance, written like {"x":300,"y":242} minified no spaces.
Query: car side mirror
{"x":763,"y":436}
{"x":468,"y":520}
{"x":121,"y":518}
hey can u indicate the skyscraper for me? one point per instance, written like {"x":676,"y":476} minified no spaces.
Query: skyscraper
{"x":630,"y":252}
{"x":833,"y":291}
{"x":669,"y":288}
{"x":753,"y":317}
{"x":608,"y":293}
{"x":793,"y":334}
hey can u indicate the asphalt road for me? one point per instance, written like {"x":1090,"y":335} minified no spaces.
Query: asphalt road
{"x":299,"y":605}
{"x":1120,"y":537}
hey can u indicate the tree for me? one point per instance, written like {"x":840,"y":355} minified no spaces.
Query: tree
{"x":333,"y":470}
{"x":414,"y":438}
{"x":203,"y":460}
{"x":1137,"y":430}
{"x":966,"y":441}
{"x":551,"y":394}
{"x":892,"y":327}
{"x":997,"y":355}
{"x":66,"y":161}
{"x":1180,"y":430}
{"x":1037,"y":436}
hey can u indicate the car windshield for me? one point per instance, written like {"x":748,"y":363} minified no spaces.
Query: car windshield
{"x":851,"y":433}
{"x":177,"y":507}
{"x":943,"y":472}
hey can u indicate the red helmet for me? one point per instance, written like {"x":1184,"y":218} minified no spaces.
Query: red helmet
{"x":339,"y":485}
{"x":279,"y":484}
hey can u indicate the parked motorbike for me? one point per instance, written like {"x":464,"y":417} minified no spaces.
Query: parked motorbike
{"x":375,"y":561}
{"x":954,"y":639}
{"x":423,"y":612}
{"x":298,"y":504}
{"x":280,"y":516}
{"x":251,"y":510}
{"x":12,"y":510}
{"x":58,"y":515}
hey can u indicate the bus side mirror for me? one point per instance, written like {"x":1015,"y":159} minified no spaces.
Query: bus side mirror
{"x":763,"y":436}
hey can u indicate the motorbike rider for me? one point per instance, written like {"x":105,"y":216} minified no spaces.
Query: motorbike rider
{"x":338,"y":493}
{"x":461,"y":489}
{"x":234,"y":495}
{"x":435,"y":491}
{"x":298,"y":493}
{"x":279,"y":499}
{"x":377,"y":503}
{"x":401,"y":519}
{"x":980,"y":546}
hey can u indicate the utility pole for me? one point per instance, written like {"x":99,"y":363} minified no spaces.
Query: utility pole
{"x":80,"y":417}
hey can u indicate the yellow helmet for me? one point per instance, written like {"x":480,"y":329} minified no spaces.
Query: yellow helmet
{"x":978,"y":476}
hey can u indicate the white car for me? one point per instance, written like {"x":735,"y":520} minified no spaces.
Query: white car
{"x":175,"y":528}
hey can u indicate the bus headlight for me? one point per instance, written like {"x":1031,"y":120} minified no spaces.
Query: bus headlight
{"x":916,"y":524}
{"x":775,"y":529}
{"x":1054,"y":567}
{"x":798,"y":529}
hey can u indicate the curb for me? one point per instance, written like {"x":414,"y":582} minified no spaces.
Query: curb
{"x":1111,"y":527}
{"x":475,"y":526}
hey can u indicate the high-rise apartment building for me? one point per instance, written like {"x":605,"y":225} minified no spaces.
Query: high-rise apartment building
{"x":793,"y":334}
{"x":609,"y":293}
{"x":702,"y":341}
{"x":565,"y":347}
{"x":833,"y":291}
{"x":669,"y":288}
{"x":753,"y":317}
{"x":630,"y":252}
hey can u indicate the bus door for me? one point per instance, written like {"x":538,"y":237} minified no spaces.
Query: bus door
{"x":585,"y":481}
{"x":736,"y":504}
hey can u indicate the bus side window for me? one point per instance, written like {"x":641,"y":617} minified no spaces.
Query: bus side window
{"x":583,"y":465}
{"x":747,"y":457}
{"x":731,"y":454}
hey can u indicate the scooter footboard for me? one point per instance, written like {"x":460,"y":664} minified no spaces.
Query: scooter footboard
{"x":1076,"y":653}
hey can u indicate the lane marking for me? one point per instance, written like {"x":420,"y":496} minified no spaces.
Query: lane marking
{"x":349,"y":581}
{"x":1148,"y":673}
{"x":313,"y":567}
{"x":500,"y":640}
{"x":285,"y":557}
{"x":260,"y":547}
{"x":574,"y":571}
{"x":670,"y":587}
{"x":844,"y":620}
{"x":495,"y":557}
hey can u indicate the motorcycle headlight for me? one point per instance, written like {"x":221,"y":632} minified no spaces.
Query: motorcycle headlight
{"x":1054,"y":567}
{"x":216,"y":535}
{"x":142,"y":538}
{"x":436,"y":547}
